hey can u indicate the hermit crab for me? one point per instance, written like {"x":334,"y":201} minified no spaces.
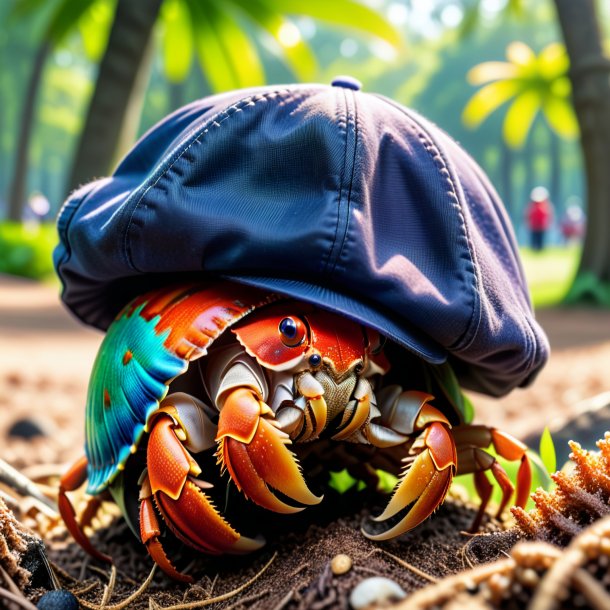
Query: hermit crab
{"x":266,"y":373}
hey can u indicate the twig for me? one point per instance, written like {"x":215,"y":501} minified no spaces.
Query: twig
{"x":284,"y":601}
{"x":128,"y":600}
{"x":18,"y":599}
{"x":59,"y":570}
{"x":22,"y":485}
{"x":218,"y":598}
{"x":410,"y":567}
{"x":250,"y":598}
{"x":109,"y":588}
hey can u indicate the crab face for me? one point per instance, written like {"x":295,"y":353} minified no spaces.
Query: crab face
{"x":296,"y":337}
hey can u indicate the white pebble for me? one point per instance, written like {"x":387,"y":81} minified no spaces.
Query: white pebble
{"x":376,"y":590}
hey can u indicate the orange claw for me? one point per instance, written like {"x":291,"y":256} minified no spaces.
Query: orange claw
{"x":253,"y":449}
{"x":426,"y":481}
{"x":70,"y":481}
{"x":186,"y":509}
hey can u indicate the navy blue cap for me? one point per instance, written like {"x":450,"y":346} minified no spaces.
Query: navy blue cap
{"x":324,"y":193}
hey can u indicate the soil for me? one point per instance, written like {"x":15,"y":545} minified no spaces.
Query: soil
{"x":45,"y":360}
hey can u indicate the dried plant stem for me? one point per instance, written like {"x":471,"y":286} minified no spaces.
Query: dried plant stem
{"x":218,"y":598}
{"x":412,"y":568}
{"x":127,"y":601}
{"x":22,"y":485}
{"x":109,"y":588}
{"x":18,"y":599}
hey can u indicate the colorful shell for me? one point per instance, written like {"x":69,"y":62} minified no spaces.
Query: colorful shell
{"x":151,"y":342}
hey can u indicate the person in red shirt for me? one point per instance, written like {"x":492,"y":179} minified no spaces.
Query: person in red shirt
{"x":539,"y":216}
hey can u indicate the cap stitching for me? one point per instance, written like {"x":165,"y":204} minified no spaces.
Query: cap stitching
{"x":195,"y":137}
{"x":442,"y":165}
{"x":351,"y":180}
{"x":343,"y":123}
{"x":470,"y":332}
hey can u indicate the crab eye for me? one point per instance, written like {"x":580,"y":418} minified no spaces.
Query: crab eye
{"x":292,"y":332}
{"x":315,"y":360}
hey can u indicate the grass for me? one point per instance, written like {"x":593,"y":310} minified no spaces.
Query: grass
{"x":550,"y":273}
{"x":26,"y":249}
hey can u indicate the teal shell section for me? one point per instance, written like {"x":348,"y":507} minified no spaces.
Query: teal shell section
{"x":124,"y":391}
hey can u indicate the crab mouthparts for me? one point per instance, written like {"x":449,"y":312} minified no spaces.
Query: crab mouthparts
{"x":336,"y":394}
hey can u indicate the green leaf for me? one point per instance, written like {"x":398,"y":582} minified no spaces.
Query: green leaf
{"x":547,"y":451}
{"x":341,"y":481}
{"x":448,"y":383}
{"x":490,"y":71}
{"x":519,"y":118}
{"x":553,"y":61}
{"x":520,"y":54}
{"x":387,"y":481}
{"x":298,"y":55}
{"x":228,"y":58}
{"x":560,"y":115}
{"x":468,"y":409}
{"x":94,"y":27}
{"x":487,"y":99}
{"x":65,"y":18}
{"x":344,"y":13}
{"x":177,"y":41}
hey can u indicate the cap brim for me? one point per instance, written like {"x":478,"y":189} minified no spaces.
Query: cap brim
{"x":355,"y":308}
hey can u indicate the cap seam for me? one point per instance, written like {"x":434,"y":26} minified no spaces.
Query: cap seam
{"x":344,"y":124}
{"x":193,"y":138}
{"x":440,"y":161}
{"x":352,"y":173}
{"x":470,"y":332}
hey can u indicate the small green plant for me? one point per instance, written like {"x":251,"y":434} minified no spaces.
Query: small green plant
{"x":547,"y":451}
{"x":27,"y":249}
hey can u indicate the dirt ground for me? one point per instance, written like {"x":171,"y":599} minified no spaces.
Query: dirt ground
{"x":45,"y":360}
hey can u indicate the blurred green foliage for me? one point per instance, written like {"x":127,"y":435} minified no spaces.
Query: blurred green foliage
{"x":26,"y":249}
{"x":529,"y":84}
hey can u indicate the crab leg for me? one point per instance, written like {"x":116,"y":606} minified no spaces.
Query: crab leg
{"x":471,"y":442}
{"x":179,"y":496}
{"x":430,"y":467}
{"x":253,"y":449}
{"x":70,"y":481}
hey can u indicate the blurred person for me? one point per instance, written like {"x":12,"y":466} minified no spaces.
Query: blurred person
{"x":539,"y":217}
{"x":573,"y":222}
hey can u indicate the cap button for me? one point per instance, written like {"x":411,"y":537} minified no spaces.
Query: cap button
{"x":347,"y":82}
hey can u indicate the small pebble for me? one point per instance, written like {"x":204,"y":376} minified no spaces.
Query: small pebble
{"x":25,"y":428}
{"x":341,"y":564}
{"x":58,"y":600}
{"x":376,"y":590}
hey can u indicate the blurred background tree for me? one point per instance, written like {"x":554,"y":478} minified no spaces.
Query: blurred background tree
{"x":90,"y":83}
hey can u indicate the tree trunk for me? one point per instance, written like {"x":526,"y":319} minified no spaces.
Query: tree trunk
{"x":590,"y":76}
{"x":17,"y":193}
{"x":555,"y":173}
{"x":113,"y":115}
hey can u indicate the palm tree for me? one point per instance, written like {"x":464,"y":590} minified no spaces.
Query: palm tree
{"x":532,"y":84}
{"x":528,"y":85}
{"x":61,"y":21}
{"x":590,"y":77}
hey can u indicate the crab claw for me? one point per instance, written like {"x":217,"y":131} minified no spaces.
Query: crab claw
{"x":424,"y":483}
{"x":253,"y":449}
{"x":186,"y":509}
